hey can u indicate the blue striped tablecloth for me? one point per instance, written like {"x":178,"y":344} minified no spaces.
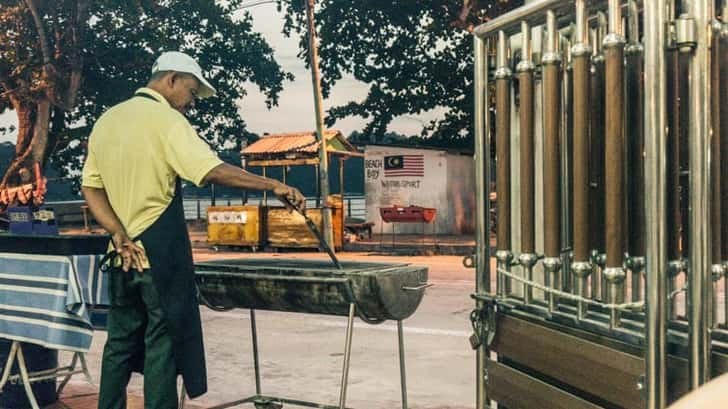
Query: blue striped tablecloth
{"x":45,"y":299}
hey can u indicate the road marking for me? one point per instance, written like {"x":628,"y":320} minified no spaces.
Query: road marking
{"x":393,"y":328}
{"x":361,"y":325}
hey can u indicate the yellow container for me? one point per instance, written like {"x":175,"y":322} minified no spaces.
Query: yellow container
{"x":235,"y":226}
{"x":288,"y":229}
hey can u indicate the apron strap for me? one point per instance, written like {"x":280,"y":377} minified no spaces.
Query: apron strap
{"x":145,"y":95}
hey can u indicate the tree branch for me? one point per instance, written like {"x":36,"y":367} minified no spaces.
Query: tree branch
{"x":77,"y":33}
{"x":9,"y":89}
{"x":42,"y":39}
{"x":462,"y":20}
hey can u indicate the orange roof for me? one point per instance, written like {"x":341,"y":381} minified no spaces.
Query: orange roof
{"x":294,"y":142}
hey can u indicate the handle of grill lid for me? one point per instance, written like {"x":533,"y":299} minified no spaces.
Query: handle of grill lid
{"x":420,"y":287}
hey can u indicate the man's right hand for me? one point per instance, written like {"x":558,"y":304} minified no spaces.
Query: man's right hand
{"x":290,"y":196}
{"x":131,"y":254}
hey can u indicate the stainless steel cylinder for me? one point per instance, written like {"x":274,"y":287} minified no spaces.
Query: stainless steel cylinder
{"x":614,"y":274}
{"x":482,"y":178}
{"x":723,"y":113}
{"x":527,"y":114}
{"x":552,"y":127}
{"x":597,"y":121}
{"x":503,"y":154}
{"x":699,"y":146}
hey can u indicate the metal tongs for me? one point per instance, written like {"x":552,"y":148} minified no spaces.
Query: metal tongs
{"x":316,"y":232}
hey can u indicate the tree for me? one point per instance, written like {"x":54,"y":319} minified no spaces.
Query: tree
{"x":62,"y":63}
{"x":415,"y":55}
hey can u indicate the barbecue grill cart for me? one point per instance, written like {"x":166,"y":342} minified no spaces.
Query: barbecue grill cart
{"x":374,"y":292}
{"x":612,"y":167}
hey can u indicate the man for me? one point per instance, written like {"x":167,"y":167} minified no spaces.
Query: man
{"x":137,"y":153}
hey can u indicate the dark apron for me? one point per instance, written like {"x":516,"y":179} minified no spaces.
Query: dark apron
{"x":167,"y":245}
{"x":168,"y":249}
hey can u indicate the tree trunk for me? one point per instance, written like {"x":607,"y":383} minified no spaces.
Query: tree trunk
{"x":31,"y":147}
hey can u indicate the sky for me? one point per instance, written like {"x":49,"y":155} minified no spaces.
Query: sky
{"x":295,"y":110}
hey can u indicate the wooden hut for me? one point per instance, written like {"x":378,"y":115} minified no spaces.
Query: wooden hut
{"x":281,"y":228}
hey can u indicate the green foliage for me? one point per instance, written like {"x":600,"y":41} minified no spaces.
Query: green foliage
{"x":412,"y":54}
{"x":121,"y":41}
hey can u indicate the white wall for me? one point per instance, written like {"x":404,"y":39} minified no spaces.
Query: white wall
{"x":447,"y":185}
{"x":460,"y":194}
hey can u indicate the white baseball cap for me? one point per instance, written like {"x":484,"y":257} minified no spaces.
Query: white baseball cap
{"x":181,"y":62}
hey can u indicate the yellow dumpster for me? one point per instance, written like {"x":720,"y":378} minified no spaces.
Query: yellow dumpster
{"x":288,"y":229}
{"x":235,"y":226}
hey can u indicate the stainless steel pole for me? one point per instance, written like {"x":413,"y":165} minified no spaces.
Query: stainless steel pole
{"x":699,"y":288}
{"x":614,"y":273}
{"x":482,"y":259}
{"x":402,"y":367}
{"x":504,"y":255}
{"x":581,"y":52}
{"x":551,"y":61}
{"x":655,"y":123}
{"x":525,"y":69}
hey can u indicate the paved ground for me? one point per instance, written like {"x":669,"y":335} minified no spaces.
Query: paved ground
{"x":302,"y":354}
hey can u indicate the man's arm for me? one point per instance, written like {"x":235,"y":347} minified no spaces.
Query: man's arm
{"x":233,"y":176}
{"x":98,"y":203}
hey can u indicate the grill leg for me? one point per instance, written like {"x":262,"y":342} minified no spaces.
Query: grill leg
{"x":347,"y":357}
{"x":402,"y":369}
{"x":256,"y":362}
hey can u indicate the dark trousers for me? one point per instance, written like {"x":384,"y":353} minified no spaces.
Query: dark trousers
{"x":137,"y":332}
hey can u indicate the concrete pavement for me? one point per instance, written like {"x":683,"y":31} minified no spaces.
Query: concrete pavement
{"x":301,"y":354}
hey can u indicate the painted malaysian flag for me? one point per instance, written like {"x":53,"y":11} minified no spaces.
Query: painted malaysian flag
{"x":404,"y":165}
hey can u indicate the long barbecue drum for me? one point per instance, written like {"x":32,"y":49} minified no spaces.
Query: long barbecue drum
{"x":379,"y":291}
{"x":375,"y":292}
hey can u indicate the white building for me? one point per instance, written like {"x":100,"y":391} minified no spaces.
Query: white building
{"x":435,"y":178}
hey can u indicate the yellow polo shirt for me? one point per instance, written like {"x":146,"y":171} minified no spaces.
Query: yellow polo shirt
{"x":136,"y":151}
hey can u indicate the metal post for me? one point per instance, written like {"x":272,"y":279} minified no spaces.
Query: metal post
{"x":402,"y":368}
{"x":699,"y":229}
{"x":265,"y":192}
{"x":716,"y":159}
{"x":655,"y":123}
{"x":566,"y":181}
{"x":581,"y":52}
{"x":482,"y":187}
{"x":676,"y":262}
{"x":347,"y":357}
{"x":323,"y":175}
{"x":256,"y":360}
{"x":723,"y":64}
{"x":596,"y":158}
